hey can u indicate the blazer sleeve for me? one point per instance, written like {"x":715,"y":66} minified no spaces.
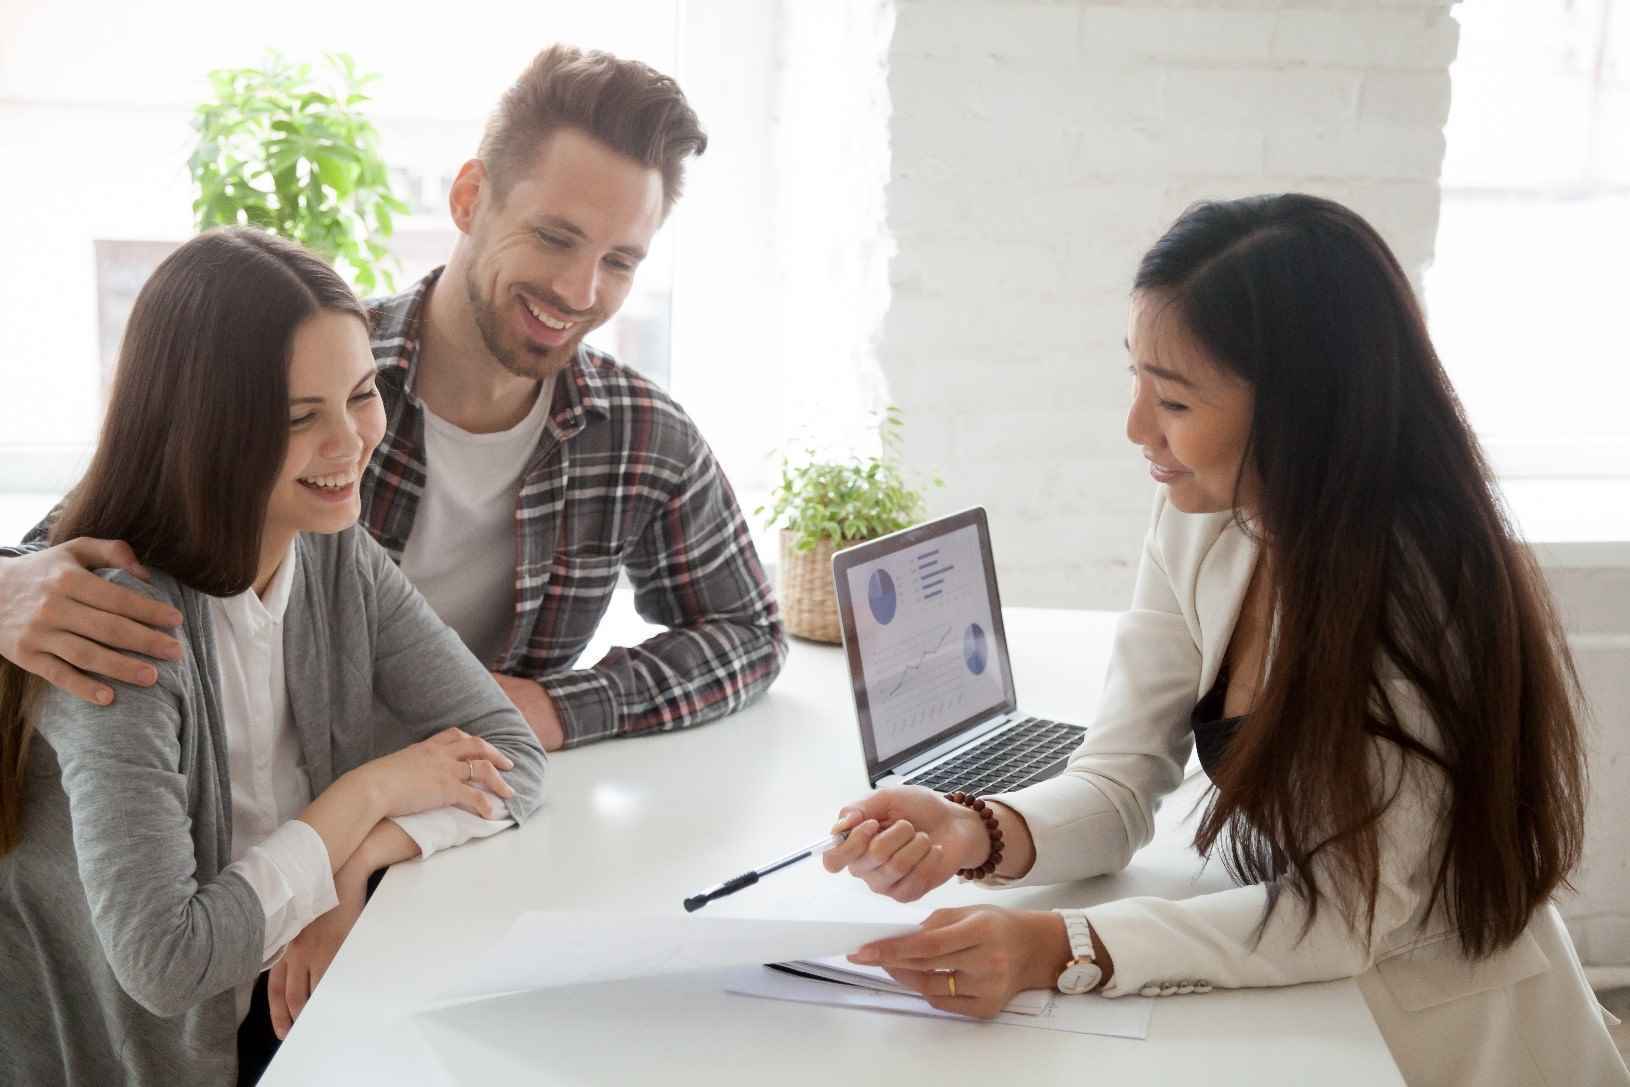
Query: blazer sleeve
{"x":171,"y":941}
{"x":1094,"y":816}
{"x":429,"y":679}
{"x":1212,"y":940}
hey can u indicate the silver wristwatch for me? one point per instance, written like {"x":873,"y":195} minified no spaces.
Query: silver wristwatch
{"x":1082,"y":973}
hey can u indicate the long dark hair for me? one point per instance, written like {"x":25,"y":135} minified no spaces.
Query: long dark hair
{"x":1390,"y":555}
{"x":195,"y":433}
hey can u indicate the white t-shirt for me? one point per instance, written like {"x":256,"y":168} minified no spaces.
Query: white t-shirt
{"x":461,"y":552}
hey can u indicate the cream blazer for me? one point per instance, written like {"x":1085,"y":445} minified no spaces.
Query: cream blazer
{"x":1525,"y":1016}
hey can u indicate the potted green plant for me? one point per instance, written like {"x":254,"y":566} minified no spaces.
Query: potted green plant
{"x":823,"y":506}
{"x":287,"y":148}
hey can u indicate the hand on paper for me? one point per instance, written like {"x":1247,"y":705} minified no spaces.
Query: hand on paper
{"x":295,"y":976}
{"x":994,"y":953}
{"x":904,"y":842}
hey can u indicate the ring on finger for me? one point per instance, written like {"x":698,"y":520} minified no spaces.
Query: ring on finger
{"x":469,"y":771}
{"x":950,"y":982}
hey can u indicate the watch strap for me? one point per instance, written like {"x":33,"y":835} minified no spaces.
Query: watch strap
{"x":1082,"y":973}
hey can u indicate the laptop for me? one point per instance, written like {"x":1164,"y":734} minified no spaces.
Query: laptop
{"x":928,"y":663}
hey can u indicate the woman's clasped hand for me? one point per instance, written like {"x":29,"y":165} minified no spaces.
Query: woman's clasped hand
{"x":450,"y":769}
{"x":904,"y":842}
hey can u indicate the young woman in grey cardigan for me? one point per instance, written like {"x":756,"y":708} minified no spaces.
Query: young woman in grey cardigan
{"x":133,"y":920}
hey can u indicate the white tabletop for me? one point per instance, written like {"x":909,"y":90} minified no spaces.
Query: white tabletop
{"x":636,"y":825}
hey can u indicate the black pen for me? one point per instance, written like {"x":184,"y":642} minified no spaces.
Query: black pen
{"x":731,"y":886}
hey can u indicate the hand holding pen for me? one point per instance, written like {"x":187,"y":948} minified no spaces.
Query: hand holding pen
{"x":905,"y":841}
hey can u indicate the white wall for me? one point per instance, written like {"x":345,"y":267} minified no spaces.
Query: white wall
{"x":1529,"y":274}
{"x":1038,"y":149}
{"x":726,"y":292}
{"x":1591,"y":584}
{"x":831,"y":143}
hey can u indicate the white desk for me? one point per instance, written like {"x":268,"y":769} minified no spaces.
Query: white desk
{"x":637,"y":825}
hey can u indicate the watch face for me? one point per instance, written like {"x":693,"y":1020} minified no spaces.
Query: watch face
{"x":1079,"y":977}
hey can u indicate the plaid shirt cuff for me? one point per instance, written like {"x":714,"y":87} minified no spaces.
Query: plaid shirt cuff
{"x":586,"y":702}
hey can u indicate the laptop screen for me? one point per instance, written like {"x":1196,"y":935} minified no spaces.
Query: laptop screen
{"x":922,"y":627}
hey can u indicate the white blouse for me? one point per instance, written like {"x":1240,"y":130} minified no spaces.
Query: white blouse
{"x":283,"y":859}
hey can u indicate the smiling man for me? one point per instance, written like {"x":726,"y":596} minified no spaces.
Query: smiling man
{"x":521,"y":471}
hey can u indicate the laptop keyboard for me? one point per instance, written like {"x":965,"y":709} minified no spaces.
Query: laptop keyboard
{"x":1030,"y":751}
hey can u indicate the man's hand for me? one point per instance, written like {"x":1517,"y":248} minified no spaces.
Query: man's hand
{"x":62,"y":622}
{"x":308,"y":957}
{"x":537,"y":707}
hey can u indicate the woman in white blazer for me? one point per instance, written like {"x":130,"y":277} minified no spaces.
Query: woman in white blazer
{"x":1333,"y":609}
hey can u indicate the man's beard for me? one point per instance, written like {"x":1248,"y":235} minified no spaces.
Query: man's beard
{"x":530,"y":360}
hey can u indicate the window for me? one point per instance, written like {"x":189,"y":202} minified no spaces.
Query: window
{"x":1527,"y":293}
{"x":106,"y":193}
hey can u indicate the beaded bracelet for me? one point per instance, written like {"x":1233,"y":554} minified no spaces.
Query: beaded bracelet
{"x":981,"y":809}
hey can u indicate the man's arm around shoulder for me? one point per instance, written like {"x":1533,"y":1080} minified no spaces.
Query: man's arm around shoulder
{"x":68,"y":626}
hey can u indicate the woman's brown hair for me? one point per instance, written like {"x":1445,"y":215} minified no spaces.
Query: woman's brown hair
{"x":1390,"y":556}
{"x":195,"y":433}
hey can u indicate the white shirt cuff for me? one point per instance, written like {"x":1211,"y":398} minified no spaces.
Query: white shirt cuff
{"x":444,"y":828}
{"x":290,"y":873}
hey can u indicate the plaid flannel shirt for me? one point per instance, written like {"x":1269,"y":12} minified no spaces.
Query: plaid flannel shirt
{"x":621,"y":480}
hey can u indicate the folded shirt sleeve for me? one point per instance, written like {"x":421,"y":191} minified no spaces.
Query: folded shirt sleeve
{"x":444,"y":828}
{"x":292,"y":877}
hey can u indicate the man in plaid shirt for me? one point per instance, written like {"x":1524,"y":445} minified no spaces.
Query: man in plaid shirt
{"x":555,"y":468}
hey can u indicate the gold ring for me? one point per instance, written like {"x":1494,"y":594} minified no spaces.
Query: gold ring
{"x":950,"y":980}
{"x":469,"y":772}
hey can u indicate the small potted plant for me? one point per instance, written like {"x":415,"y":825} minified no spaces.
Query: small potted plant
{"x":822,"y":507}
{"x":289,"y":149}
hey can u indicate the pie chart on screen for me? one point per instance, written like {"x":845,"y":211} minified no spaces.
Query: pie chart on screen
{"x":975,"y":650}
{"x":880,"y":596}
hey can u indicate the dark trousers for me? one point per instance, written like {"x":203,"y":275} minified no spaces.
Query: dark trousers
{"x":257,"y":1043}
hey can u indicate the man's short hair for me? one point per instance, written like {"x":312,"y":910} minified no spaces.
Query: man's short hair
{"x":629,"y":106}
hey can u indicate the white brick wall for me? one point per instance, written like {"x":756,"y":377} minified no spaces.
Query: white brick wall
{"x":1591,"y":584}
{"x":1038,"y":148}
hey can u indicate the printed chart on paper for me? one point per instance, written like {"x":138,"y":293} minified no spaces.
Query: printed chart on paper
{"x":923,"y":623}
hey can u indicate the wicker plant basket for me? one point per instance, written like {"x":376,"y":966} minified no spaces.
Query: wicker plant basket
{"x":808,"y":606}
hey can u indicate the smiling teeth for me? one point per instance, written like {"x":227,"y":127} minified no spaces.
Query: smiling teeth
{"x":558,"y":326}
{"x":334,"y":482}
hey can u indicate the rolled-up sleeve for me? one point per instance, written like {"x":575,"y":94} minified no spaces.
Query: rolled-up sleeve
{"x":292,"y":875}
{"x":444,"y":828}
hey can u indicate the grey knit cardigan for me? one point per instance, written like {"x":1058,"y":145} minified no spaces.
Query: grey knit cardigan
{"x":121,"y":940}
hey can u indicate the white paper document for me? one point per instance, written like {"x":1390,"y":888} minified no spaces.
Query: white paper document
{"x":1123,"y":1017}
{"x":548,"y":950}
{"x":840,"y":970}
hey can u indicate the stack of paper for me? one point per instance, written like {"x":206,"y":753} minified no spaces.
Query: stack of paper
{"x":844,"y":972}
{"x":1123,"y":1017}
{"x":549,"y":950}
